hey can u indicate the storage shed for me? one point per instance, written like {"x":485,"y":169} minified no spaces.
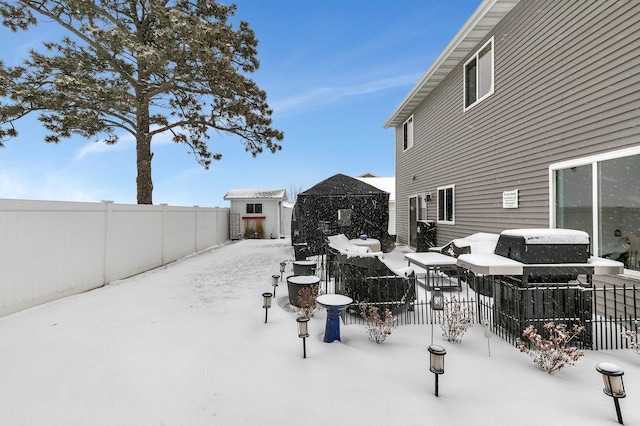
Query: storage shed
{"x":339,"y":205}
{"x":256,"y":213}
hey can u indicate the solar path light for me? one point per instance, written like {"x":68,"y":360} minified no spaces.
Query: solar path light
{"x":613,"y":385}
{"x":303,"y":332}
{"x":266,"y":304}
{"x":436,"y":361}
{"x":282,"y":265}
{"x":274,"y":283}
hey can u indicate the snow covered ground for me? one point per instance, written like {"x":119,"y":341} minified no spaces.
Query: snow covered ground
{"x":186,"y":344}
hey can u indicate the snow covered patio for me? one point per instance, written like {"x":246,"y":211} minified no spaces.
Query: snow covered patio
{"x":186,"y":344}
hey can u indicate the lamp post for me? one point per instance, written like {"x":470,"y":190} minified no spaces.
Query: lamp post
{"x":437,"y":304}
{"x":274,"y":283}
{"x":613,"y":384}
{"x":303,"y":332}
{"x":282,"y":265}
{"x":436,"y":361}
{"x":266,"y":304}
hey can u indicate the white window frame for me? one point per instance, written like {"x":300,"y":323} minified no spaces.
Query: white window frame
{"x":443,"y":220}
{"x":253,"y":208}
{"x":407,"y":133}
{"x":476,"y":58}
{"x":593,"y":162}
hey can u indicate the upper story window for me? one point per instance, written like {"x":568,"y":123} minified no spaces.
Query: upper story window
{"x":407,"y":133}
{"x":478,"y":76}
{"x":254,"y":208}
{"x":446,"y":202}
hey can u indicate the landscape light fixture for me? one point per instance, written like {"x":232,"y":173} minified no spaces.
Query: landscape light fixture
{"x":266,"y":304}
{"x":274,"y":283}
{"x":613,"y":384}
{"x":282,"y":265}
{"x":436,"y":361}
{"x":437,"y":304}
{"x":303,"y":332}
{"x":487,"y":334}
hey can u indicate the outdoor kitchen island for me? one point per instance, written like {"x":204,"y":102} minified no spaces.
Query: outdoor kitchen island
{"x":536,"y":276}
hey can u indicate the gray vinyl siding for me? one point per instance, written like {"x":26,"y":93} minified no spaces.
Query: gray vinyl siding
{"x":567,"y":85}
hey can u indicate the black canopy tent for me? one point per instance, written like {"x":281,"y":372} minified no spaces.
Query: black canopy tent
{"x":339,"y":205}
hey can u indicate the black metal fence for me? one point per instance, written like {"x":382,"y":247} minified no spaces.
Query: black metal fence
{"x":606,"y":312}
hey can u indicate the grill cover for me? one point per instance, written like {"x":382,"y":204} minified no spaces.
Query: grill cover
{"x":550,"y":246}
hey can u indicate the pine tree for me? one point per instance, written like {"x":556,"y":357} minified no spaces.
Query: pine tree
{"x":144,"y":67}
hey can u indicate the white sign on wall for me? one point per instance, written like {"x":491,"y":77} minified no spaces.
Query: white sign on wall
{"x":510,"y":199}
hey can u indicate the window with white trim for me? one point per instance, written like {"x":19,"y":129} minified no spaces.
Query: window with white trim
{"x":254,"y":208}
{"x":601,"y":196}
{"x":407,"y":133}
{"x":478,"y":76}
{"x":446,"y":203}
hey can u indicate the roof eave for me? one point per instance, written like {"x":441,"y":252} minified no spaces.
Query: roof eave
{"x":483,"y":20}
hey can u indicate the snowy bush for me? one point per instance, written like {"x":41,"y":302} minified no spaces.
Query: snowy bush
{"x":455,"y":320}
{"x":307,"y":301}
{"x":553,"y":353}
{"x":377,"y":328}
{"x":632,"y":337}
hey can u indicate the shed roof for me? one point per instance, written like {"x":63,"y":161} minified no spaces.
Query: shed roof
{"x":238,"y":194}
{"x":486,"y":16}
{"x":387,"y":184}
{"x":342,"y":185}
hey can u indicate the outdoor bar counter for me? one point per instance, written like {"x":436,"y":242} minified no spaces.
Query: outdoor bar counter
{"x":494,"y":264}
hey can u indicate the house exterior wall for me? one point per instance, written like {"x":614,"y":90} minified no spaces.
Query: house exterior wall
{"x":566,"y":85}
{"x":271,"y":212}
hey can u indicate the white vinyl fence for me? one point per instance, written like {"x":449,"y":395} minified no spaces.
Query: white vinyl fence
{"x":53,"y":249}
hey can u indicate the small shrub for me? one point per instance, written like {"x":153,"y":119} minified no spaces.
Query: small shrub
{"x":632,"y":337}
{"x":553,"y":353}
{"x":307,"y":301}
{"x":455,"y":320}
{"x":378,"y":328}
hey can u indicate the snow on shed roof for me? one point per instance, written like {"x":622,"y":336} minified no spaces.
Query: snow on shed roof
{"x":237,"y":194}
{"x":387,"y":184}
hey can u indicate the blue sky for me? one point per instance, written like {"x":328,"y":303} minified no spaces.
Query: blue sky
{"x":333,"y":70}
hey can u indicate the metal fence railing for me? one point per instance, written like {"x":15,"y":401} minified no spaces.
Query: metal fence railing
{"x":606,"y":312}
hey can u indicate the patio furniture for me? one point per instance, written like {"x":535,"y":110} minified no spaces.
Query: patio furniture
{"x":341,"y":243}
{"x":372,"y":243}
{"x":440,"y":270}
{"x":366,"y":278}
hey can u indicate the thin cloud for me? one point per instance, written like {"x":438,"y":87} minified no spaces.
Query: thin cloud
{"x":330,"y":95}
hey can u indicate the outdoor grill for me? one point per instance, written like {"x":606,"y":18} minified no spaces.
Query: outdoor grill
{"x":537,"y":276}
{"x":547,"y":255}
{"x":535,"y":246}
